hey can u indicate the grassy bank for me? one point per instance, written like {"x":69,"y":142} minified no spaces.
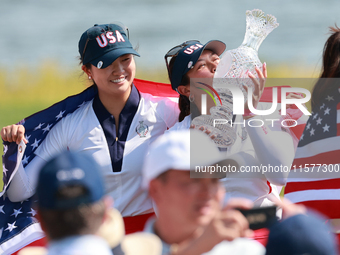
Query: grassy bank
{"x":27,"y":91}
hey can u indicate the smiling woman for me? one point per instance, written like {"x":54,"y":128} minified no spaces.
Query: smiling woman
{"x":115,"y":127}
{"x":114,"y":83}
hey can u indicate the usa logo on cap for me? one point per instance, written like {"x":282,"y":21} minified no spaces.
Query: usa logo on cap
{"x":101,"y":45}
{"x":192,"y":48}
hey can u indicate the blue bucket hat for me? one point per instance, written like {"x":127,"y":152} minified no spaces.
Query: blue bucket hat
{"x":65,"y":170}
{"x":101,"y":45}
{"x":187,"y":55}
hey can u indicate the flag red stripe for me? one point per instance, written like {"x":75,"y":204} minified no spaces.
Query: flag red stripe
{"x":338,"y":106}
{"x":298,"y":130}
{"x":312,"y":185}
{"x":330,"y":208}
{"x":338,"y":129}
{"x":39,"y":243}
{"x":329,"y":157}
{"x":165,"y":90}
{"x":155,"y":88}
{"x":267,"y":95}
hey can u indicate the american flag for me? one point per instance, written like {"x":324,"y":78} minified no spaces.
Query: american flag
{"x":18,"y":226}
{"x":314,"y":179}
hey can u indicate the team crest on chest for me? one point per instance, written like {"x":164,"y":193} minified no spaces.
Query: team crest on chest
{"x":142,"y":129}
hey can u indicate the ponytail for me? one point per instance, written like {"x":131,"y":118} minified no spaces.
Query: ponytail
{"x":184,"y":107}
{"x":183,"y":102}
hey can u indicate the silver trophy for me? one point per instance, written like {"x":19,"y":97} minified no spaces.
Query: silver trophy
{"x":234,"y":64}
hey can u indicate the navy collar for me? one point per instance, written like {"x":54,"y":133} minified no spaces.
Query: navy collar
{"x":130,"y":106}
{"x":116,"y":142}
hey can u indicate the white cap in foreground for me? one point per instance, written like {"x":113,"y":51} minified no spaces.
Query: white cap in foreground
{"x":182,"y":150}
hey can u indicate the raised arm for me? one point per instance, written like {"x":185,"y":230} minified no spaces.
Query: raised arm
{"x":273,"y":147}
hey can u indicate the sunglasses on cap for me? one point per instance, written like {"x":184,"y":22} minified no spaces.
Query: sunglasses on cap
{"x":173,"y":52}
{"x":94,"y":31}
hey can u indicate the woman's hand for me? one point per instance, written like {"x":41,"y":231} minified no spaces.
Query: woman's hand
{"x":259,"y":84}
{"x":204,"y":130}
{"x":13,"y":133}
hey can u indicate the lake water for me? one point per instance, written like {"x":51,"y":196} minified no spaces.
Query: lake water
{"x":34,"y":30}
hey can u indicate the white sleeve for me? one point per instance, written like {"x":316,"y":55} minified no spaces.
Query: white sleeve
{"x":168,"y":110}
{"x":273,"y":149}
{"x":184,"y":124}
{"x":24,"y":182}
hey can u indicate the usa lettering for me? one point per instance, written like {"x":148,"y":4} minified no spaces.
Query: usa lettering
{"x":192,"y":48}
{"x":109,"y":37}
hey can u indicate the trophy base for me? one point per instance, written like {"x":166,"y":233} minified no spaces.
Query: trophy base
{"x":223,"y":135}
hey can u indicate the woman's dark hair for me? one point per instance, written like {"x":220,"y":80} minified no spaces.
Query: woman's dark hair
{"x":330,"y":67}
{"x":183,"y":102}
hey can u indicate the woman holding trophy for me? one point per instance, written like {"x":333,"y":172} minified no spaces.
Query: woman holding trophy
{"x":189,"y":103}
{"x":191,"y":71}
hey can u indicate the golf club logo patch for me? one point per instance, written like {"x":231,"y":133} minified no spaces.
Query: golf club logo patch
{"x":190,"y":64}
{"x":142,"y":129}
{"x":100,"y":64}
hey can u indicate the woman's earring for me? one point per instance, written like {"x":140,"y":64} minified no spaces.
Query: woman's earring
{"x":90,"y":77}
{"x":191,"y":98}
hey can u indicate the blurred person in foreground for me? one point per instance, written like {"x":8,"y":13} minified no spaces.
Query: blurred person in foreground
{"x":76,"y":215}
{"x":301,"y":232}
{"x":190,"y":217}
{"x":71,"y":205}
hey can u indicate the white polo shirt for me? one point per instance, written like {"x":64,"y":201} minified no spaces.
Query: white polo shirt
{"x":81,"y":131}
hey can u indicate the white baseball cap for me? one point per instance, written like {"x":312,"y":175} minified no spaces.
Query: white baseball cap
{"x":182,"y":150}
